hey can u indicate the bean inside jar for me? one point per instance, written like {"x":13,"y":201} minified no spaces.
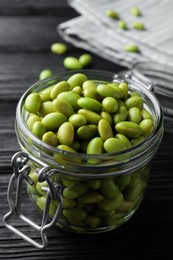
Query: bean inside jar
{"x":80,"y":116}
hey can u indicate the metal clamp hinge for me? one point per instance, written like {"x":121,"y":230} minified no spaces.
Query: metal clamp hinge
{"x":53,"y":191}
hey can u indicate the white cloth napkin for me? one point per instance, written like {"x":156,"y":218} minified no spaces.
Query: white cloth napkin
{"x":93,"y":31}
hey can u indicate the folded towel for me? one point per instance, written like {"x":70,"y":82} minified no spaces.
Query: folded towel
{"x":95,"y":32}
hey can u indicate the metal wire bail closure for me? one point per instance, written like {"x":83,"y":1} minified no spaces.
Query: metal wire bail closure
{"x":21,"y":172}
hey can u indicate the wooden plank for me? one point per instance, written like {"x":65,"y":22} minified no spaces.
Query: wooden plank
{"x":39,"y":7}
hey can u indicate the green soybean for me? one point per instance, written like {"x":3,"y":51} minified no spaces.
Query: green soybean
{"x":134,"y":101}
{"x":64,"y":148}
{"x":72,"y":63}
{"x":95,"y":146}
{"x":33,"y":102}
{"x":87,"y":131}
{"x":53,"y":120}
{"x":107,"y":116}
{"x":32,"y":119}
{"x":92,"y":117}
{"x":134,"y":115}
{"x":93,"y":221}
{"x":120,"y":115}
{"x":66,"y":133}
{"x":77,"y":80}
{"x":138,"y":25}
{"x":109,"y":189}
{"x":129,"y":129}
{"x":50,"y":138}
{"x":75,"y":191}
{"x":111,"y":204}
{"x":45,"y":93}
{"x":122,"y":24}
{"x":124,"y":87}
{"x":106,"y":90}
{"x":70,"y":97}
{"x":112,"y":14}
{"x":47,"y":107}
{"x":58,"y":48}
{"x":88,"y":84}
{"x":130,"y":47}
{"x":85,"y":59}
{"x":39,"y":129}
{"x":105,"y":129}
{"x":135,"y":11}
{"x":89,"y":103}
{"x":124,"y":139}
{"x":45,"y":74}
{"x":58,"y":88}
{"x":75,"y":214}
{"x":63,"y":107}
{"x":91,"y":197}
{"x":77,"y":120}
{"x":112,"y":145}
{"x":147,"y":126}
{"x":110,"y":104}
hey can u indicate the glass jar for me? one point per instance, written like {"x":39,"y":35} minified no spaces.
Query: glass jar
{"x":86,"y":193}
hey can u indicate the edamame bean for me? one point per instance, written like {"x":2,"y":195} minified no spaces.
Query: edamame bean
{"x":124,"y":87}
{"x":112,"y":14}
{"x":85,"y":59}
{"x":137,"y":140}
{"x":87,"y":131}
{"x":108,"y":91}
{"x":64,"y":148}
{"x":112,"y":145}
{"x":75,"y":214}
{"x":77,"y":80}
{"x":107,"y":116}
{"x":110,"y":104}
{"x":39,"y":129}
{"x":111,"y":204}
{"x":120,"y":115}
{"x":95,"y":146}
{"x":33,"y":103}
{"x":66,"y":133}
{"x":109,"y":189}
{"x":138,"y":25}
{"x":45,"y":93}
{"x":131,"y":47}
{"x":122,"y":24}
{"x":129,"y":129}
{"x":47,"y":107}
{"x":75,"y":191}
{"x":50,"y":138}
{"x":93,"y":221}
{"x":91,"y":197}
{"x":88,"y":84}
{"x":77,"y":120}
{"x":45,"y":74}
{"x":53,"y":120}
{"x":145,"y":114}
{"x":134,"y":115}
{"x":91,"y":92}
{"x":72,"y":63}
{"x":89,"y":103}
{"x":124,"y":139}
{"x":58,"y":48}
{"x":134,"y":101}
{"x":105,"y":129}
{"x":147,"y":126}
{"x":32,"y":119}
{"x":92,"y":117}
{"x":135,"y":11}
{"x":41,"y":202}
{"x":62,"y":106}
{"x":62,"y":86}
{"x":70,"y":97}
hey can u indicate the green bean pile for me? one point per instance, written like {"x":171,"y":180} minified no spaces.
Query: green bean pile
{"x":79,"y":116}
{"x":82,"y":116}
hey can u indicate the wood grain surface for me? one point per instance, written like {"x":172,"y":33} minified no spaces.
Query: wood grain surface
{"x":27,"y":29}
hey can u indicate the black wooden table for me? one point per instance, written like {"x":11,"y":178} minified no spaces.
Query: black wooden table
{"x":27,"y":29}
